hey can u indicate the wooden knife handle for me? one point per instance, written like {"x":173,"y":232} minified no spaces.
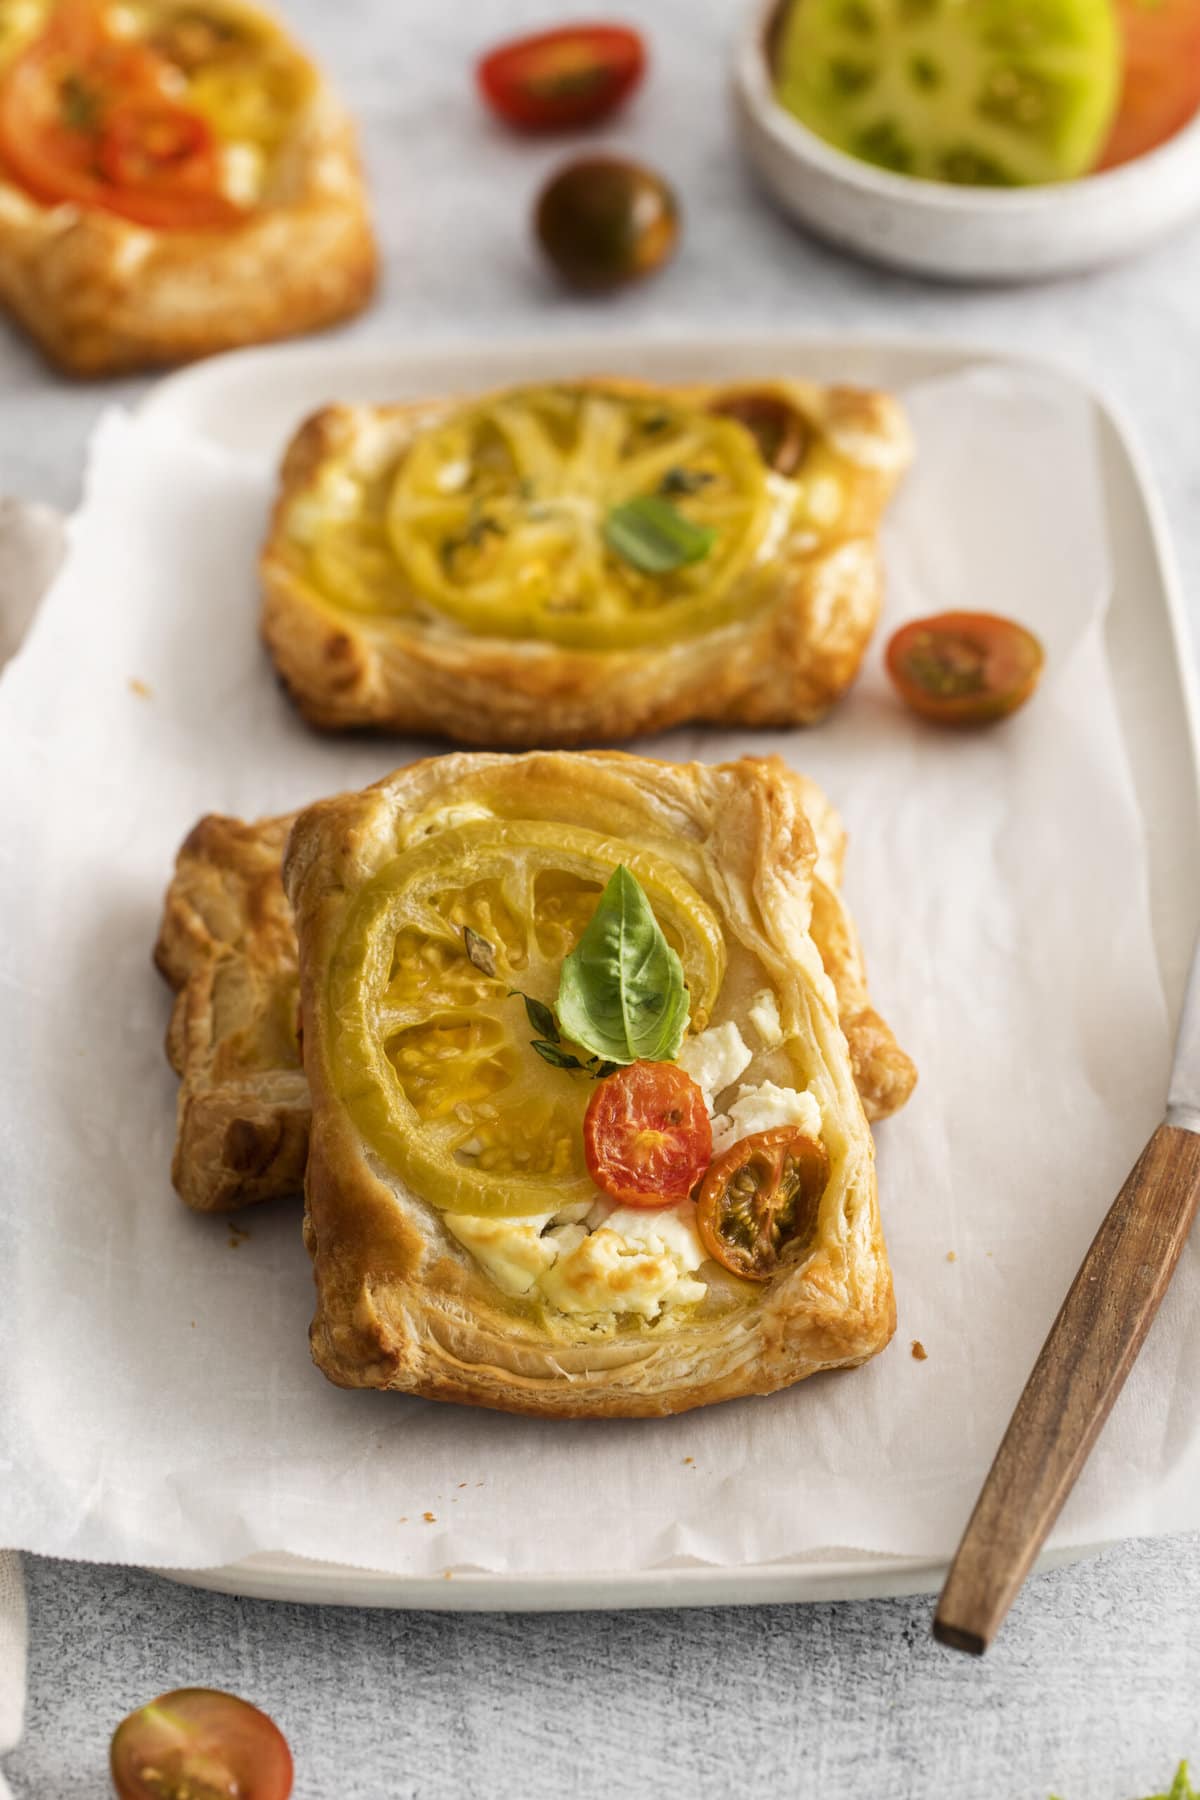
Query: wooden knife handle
{"x":1091,"y":1348}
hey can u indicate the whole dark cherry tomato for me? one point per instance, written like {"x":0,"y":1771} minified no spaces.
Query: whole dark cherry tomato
{"x":559,"y":79}
{"x":965,"y":668}
{"x":604,"y":222}
{"x":647,"y":1136}
{"x":758,"y":1207}
{"x":200,"y":1744}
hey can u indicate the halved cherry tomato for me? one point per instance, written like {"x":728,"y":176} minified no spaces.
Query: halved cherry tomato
{"x":647,"y":1136}
{"x":1162,"y":76}
{"x":200,"y":1744}
{"x":965,"y":668}
{"x":559,"y":79}
{"x":85,"y":119}
{"x":757,"y":1210}
{"x":782,"y":434}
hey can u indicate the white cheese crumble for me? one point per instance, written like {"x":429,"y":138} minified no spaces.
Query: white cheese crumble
{"x":242,"y":167}
{"x":714,"y":1059}
{"x":763,"y":1014}
{"x":631,"y":1261}
{"x":763,"y":1108}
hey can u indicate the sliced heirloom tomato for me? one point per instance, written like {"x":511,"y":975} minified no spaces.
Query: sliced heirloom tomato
{"x":1161,"y":89}
{"x":555,"y":80}
{"x":428,"y":997}
{"x":757,"y":1210}
{"x":964,"y":668}
{"x":200,"y":1744}
{"x":647,"y":1135}
{"x":87,"y":119}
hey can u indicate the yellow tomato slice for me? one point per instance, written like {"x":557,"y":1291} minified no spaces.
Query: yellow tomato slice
{"x":498,"y":515}
{"x":431,"y":1051}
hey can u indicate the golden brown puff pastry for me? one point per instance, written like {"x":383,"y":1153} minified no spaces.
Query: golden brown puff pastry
{"x":498,"y":571}
{"x":284,"y":247}
{"x":228,"y":948}
{"x":457,"y":1246}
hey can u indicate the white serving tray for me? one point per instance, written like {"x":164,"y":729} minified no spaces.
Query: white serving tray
{"x":251,"y":402}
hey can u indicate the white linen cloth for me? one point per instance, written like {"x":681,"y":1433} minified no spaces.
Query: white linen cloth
{"x":160,"y":1406}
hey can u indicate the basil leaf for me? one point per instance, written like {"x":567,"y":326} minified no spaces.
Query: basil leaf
{"x":557,"y":1058}
{"x":653,"y":536}
{"x":479,"y":952}
{"x":621,"y":993}
{"x":539,"y":1015}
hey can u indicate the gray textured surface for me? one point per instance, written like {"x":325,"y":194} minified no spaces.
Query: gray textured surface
{"x":1095,"y":1688}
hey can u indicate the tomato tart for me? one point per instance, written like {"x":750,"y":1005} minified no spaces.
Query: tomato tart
{"x":176,"y":178}
{"x":587,"y":1136}
{"x":582,"y":561}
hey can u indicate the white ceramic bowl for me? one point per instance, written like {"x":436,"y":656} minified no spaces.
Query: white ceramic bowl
{"x":957,"y":233}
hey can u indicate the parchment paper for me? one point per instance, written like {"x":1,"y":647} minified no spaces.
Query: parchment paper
{"x":159,"y":1405}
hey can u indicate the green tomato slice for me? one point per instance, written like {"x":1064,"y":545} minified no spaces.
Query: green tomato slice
{"x":993,"y":93}
{"x":430,"y":1047}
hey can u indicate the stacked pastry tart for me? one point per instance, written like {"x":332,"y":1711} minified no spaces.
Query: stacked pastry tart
{"x":561,"y":564}
{"x":175,"y":178}
{"x":587,"y":1045}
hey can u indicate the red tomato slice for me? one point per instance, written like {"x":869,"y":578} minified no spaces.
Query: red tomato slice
{"x":647,"y":1136}
{"x":1162,"y":76}
{"x":200,"y":1744}
{"x":84,"y":119}
{"x":758,"y":1207}
{"x":964,"y":668}
{"x":559,"y":79}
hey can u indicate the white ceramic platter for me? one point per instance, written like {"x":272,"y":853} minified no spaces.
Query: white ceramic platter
{"x":251,"y":402}
{"x":956,"y":233}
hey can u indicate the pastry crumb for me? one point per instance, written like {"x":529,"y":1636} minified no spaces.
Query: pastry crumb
{"x":429,"y":1518}
{"x":142,"y":689}
{"x":447,"y":1574}
{"x":689,"y":1459}
{"x":403,"y":1521}
{"x":951,"y":1256}
{"x":462,"y":1484}
{"x":919,"y":1352}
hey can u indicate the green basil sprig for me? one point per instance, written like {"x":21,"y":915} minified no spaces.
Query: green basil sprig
{"x":621,"y":993}
{"x":654,"y":537}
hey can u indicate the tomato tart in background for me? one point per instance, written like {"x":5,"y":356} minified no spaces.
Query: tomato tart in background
{"x":581,"y":561}
{"x":175,"y":179}
{"x":587,"y":1133}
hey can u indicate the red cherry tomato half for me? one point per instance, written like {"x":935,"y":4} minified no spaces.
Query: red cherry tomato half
{"x":965,"y":668}
{"x":559,"y":79}
{"x":758,"y":1207}
{"x":148,"y":141}
{"x":199,"y":1744}
{"x":647,"y":1135}
{"x":1162,"y":76}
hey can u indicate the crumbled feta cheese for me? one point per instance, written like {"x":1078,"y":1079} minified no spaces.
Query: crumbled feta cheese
{"x":763,"y":1108}
{"x":665,"y":1230}
{"x":763,"y":1014}
{"x":241,"y":172}
{"x":605,"y":1273}
{"x":574,"y":1214}
{"x":512,"y":1251}
{"x":714,"y":1059}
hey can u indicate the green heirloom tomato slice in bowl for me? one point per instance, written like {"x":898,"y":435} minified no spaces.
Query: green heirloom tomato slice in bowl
{"x":988,"y":93}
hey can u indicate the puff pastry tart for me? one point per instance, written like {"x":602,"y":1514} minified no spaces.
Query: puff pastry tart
{"x":227,"y":946}
{"x":559,"y":564}
{"x":175,"y":178}
{"x":586,"y":1138}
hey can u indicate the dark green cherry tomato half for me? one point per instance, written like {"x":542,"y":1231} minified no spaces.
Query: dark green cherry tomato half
{"x":604,"y":222}
{"x":557,"y":80}
{"x":782,"y":434}
{"x":964,"y":668}
{"x":200,"y":1744}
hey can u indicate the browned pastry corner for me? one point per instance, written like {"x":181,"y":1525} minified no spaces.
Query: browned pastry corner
{"x":227,"y":946}
{"x":786,"y":646}
{"x":101,"y":294}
